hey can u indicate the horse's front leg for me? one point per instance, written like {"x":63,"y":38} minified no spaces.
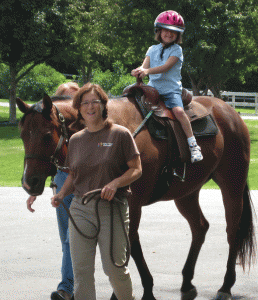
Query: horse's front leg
{"x":190,"y":209}
{"x":136,"y":251}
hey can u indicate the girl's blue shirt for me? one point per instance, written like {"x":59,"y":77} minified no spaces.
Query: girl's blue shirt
{"x":170,"y":81}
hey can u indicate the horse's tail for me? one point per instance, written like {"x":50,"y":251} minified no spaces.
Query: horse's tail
{"x":246,"y":232}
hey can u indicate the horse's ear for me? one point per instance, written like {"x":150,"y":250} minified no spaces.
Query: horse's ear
{"x":23,"y":107}
{"x":47,"y":104}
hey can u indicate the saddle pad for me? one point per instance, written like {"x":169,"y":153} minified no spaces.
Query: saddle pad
{"x":204,"y":127}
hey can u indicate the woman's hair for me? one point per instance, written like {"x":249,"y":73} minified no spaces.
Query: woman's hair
{"x":68,"y":86}
{"x":87,"y":88}
{"x":159,"y":39}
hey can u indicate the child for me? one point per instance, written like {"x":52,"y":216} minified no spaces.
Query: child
{"x":163,"y":63}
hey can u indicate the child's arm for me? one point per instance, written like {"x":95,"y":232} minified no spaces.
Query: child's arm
{"x":145,"y":65}
{"x":172,"y":60}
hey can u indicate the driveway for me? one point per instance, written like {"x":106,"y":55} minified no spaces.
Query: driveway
{"x":30,"y":251}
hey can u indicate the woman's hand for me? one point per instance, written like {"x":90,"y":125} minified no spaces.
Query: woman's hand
{"x":29,"y":202}
{"x":108,"y":192}
{"x":56,"y":200}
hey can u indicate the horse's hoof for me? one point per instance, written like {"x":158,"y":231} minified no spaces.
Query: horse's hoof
{"x":223,"y":296}
{"x":150,"y":296}
{"x":192,"y":294}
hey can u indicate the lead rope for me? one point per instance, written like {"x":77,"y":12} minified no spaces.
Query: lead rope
{"x":90,"y":195}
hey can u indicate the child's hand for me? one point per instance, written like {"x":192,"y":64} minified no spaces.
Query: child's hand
{"x":139,"y":72}
{"x":134,"y":72}
{"x":143,"y":73}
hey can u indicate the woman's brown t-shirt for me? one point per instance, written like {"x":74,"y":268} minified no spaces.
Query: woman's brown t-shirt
{"x":97,"y":158}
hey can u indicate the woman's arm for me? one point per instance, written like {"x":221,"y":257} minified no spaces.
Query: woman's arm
{"x":133,"y":173}
{"x":66,"y":190}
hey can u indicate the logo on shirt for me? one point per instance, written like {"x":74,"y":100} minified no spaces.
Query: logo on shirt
{"x":105,"y":144}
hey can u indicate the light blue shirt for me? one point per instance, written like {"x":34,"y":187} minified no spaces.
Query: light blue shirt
{"x":170,"y":81}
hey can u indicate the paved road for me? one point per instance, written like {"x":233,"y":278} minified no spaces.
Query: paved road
{"x":30,"y":251}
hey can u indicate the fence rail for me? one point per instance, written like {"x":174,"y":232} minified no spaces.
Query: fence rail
{"x":240,"y":99}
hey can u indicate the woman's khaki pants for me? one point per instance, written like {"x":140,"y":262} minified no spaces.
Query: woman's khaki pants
{"x":83,"y":251}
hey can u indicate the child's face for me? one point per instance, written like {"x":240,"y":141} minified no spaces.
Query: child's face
{"x":168,"y":36}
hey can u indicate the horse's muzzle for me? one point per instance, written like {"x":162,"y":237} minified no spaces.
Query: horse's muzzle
{"x":34,"y":185}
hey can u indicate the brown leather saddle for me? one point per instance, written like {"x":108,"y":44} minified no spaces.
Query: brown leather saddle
{"x":197,"y":114}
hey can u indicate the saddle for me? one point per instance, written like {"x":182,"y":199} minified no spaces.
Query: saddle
{"x":164,"y":124}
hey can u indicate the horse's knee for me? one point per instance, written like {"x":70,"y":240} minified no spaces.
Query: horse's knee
{"x":199,"y":232}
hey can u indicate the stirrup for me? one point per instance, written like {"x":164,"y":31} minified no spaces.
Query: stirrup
{"x":180,"y":177}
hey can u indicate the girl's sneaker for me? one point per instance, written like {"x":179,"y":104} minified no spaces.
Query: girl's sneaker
{"x":196,"y":154}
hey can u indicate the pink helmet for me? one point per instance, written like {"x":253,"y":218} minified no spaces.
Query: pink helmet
{"x":171,"y":20}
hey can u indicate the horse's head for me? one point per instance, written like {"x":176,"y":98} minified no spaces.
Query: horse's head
{"x":45,"y":136}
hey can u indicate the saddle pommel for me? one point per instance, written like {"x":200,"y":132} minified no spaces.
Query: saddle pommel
{"x":151,"y":94}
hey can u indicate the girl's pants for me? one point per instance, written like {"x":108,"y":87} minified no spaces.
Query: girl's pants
{"x":83,"y":251}
{"x":66,"y":283}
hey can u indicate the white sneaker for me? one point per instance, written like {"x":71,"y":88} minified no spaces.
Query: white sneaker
{"x":196,"y":154}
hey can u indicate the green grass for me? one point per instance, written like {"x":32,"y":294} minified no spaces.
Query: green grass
{"x":244,"y":110}
{"x":12,"y":155}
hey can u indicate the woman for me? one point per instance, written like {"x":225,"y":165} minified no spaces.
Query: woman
{"x":101,"y":156}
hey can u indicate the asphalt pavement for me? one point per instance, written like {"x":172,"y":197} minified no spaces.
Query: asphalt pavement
{"x":30,"y":252}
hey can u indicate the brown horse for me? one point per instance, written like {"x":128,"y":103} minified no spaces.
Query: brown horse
{"x":226,"y":161}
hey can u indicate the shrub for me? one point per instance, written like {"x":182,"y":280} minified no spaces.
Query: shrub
{"x":41,"y":79}
{"x":123,"y":82}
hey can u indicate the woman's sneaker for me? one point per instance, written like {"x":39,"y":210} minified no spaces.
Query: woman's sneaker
{"x":196,"y":154}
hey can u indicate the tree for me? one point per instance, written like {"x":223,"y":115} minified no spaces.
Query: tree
{"x":31,"y":32}
{"x":97,"y":34}
{"x":219,"y":42}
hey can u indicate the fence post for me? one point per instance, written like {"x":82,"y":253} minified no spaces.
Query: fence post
{"x":256,"y":98}
{"x":234,"y":101}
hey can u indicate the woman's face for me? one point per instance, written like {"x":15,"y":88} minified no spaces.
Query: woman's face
{"x":91,"y":108}
{"x":168,"y":36}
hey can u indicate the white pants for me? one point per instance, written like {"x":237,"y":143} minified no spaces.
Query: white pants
{"x":83,"y":251}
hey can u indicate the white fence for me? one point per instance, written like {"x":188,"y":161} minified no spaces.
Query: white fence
{"x":234,"y":99}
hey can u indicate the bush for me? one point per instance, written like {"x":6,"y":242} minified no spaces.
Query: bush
{"x":41,"y":79}
{"x":113,"y":82}
{"x":123,"y":82}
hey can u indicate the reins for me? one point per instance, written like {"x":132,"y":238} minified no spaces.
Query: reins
{"x":85,"y":200}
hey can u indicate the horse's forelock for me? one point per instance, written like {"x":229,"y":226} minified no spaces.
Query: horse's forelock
{"x":37,"y":108}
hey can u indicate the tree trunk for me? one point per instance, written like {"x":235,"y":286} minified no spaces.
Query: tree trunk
{"x":195,"y":89}
{"x":216,"y":92}
{"x":84,"y":79}
{"x":12,"y":100}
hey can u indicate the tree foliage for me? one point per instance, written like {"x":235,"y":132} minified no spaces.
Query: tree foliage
{"x":220,"y":40}
{"x":31,"y":32}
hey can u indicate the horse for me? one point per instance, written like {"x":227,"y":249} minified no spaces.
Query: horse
{"x":226,"y":161}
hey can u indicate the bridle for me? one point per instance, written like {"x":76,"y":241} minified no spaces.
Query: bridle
{"x":64,"y":138}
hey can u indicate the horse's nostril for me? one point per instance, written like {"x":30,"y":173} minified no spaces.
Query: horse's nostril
{"x":34,"y":181}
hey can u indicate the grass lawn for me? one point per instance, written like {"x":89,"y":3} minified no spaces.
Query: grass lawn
{"x":12,"y":154}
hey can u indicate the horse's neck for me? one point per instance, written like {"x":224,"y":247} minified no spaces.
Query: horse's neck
{"x":66,"y":109}
{"x":123,"y":112}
